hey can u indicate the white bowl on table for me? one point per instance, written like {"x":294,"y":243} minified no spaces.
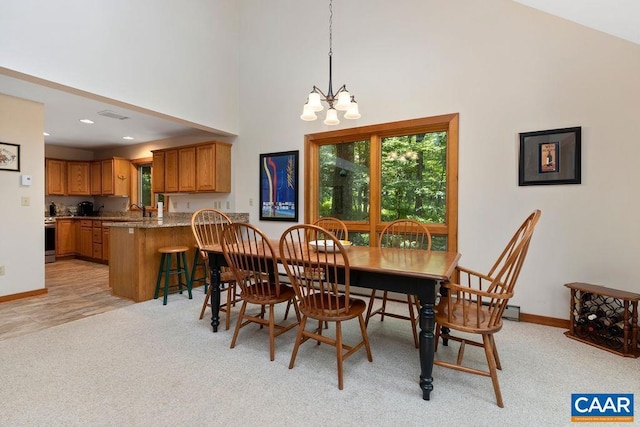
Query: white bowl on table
{"x":327,"y":245}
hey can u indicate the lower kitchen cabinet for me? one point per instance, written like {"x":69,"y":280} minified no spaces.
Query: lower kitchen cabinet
{"x":66,"y":232}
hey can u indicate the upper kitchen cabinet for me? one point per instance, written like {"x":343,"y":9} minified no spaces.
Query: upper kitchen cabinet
{"x":111,"y":177}
{"x":56,"y":177}
{"x":157,"y":172}
{"x":214,"y":168}
{"x":187,"y":170}
{"x":96,"y":178}
{"x":116,"y":177}
{"x":78,"y":178}
{"x":191,"y":169}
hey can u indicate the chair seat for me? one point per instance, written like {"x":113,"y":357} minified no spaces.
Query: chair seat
{"x":346,"y":309}
{"x":266,"y":294}
{"x":466,"y":317}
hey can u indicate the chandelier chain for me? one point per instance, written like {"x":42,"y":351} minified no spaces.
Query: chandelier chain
{"x":330,"y":27}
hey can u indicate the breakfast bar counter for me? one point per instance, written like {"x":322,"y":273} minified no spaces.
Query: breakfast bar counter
{"x":134,"y":259}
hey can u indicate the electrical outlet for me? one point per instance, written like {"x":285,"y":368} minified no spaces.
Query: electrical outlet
{"x":228,"y":205}
{"x":188,"y":204}
{"x":175,"y":205}
{"x":250,"y":202}
{"x":1,"y":270}
{"x":26,"y":201}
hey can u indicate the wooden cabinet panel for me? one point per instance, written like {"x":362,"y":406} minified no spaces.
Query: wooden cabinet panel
{"x":96,"y":178}
{"x":108,"y":187}
{"x":157,"y":172}
{"x":56,"y":176}
{"x":171,"y":171}
{"x":86,"y":240}
{"x":66,"y":237}
{"x":105,"y":243}
{"x":187,"y":169}
{"x":78,"y":179}
{"x":213,"y":168}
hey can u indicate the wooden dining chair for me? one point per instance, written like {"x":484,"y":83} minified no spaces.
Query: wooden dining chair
{"x":403,"y":234}
{"x":333,"y":225}
{"x":314,"y":274}
{"x":475,"y":305}
{"x":253,"y":261}
{"x":207,"y":226}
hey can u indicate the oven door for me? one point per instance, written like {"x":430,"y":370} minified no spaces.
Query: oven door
{"x":49,"y":242}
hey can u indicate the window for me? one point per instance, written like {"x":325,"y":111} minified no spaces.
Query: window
{"x":372,"y":175}
{"x":143,"y":194}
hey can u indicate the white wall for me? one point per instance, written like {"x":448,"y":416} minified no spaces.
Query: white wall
{"x":506,"y":69}
{"x":177,"y":58}
{"x":21,"y":227}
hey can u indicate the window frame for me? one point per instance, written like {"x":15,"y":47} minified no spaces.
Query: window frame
{"x":375,"y":133}
{"x":135,"y":172}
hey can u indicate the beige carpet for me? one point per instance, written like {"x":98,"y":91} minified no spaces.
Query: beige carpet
{"x":154,"y":365}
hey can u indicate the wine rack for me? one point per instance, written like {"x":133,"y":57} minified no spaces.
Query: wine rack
{"x":605,"y":318}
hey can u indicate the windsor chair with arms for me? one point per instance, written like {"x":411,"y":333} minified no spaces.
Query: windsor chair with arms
{"x":475,"y":305}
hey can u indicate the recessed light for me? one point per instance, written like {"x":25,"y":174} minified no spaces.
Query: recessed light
{"x":127,"y":138}
{"x":45,"y":134}
{"x":87,"y":121}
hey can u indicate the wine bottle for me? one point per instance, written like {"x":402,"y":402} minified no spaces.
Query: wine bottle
{"x":616,"y":329}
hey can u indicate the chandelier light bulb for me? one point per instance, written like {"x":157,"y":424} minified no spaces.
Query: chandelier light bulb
{"x":332,"y":117}
{"x":308,"y":114}
{"x":314,"y":102}
{"x":344,"y":99}
{"x":352,"y":112}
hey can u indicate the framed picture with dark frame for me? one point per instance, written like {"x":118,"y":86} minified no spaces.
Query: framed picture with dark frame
{"x":279,"y":186}
{"x":9,"y":157}
{"x":550,"y":157}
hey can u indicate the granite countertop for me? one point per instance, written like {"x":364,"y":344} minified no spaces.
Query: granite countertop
{"x":171,"y":220}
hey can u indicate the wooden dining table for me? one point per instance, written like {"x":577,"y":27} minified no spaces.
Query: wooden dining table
{"x":413,"y":272}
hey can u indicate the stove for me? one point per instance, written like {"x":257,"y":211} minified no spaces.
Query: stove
{"x":49,"y":239}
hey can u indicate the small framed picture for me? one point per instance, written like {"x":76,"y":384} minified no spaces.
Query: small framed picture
{"x":279,"y":186}
{"x":550,"y":157}
{"x":9,"y":157}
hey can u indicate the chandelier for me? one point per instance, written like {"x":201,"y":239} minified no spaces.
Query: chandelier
{"x":342,"y":100}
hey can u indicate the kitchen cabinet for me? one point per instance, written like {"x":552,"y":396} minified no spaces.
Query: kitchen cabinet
{"x":96,"y":239}
{"x":105,"y":243}
{"x":95,"y":179}
{"x":187,"y":169}
{"x":213,"y":166}
{"x":78,"y":178}
{"x":85,"y":238}
{"x":196,"y":168}
{"x":157,"y":172}
{"x":116,"y":177}
{"x":66,"y":230}
{"x":171,"y":171}
{"x":56,"y":177}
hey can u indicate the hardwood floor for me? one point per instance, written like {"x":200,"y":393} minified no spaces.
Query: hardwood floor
{"x":76,"y":289}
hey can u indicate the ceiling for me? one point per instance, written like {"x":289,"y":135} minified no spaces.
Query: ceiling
{"x":65,"y":107}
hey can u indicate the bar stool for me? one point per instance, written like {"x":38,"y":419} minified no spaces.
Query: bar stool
{"x":198,"y":261}
{"x":166,"y":271}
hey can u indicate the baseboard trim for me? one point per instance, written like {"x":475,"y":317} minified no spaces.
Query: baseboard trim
{"x":22,"y":295}
{"x":544,"y":320}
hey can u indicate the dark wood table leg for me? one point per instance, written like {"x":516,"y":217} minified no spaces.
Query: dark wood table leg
{"x":427,"y":342}
{"x":215,"y":296}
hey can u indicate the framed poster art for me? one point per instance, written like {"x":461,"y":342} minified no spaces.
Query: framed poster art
{"x":279,"y":186}
{"x":550,"y":157}
{"x":9,"y":157}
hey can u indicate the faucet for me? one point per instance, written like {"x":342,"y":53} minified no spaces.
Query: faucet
{"x":142,"y":208}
